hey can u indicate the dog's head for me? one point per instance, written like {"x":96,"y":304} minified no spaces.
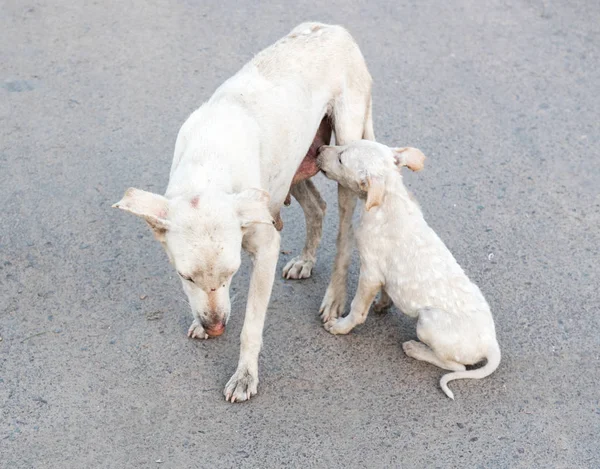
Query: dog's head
{"x":202,"y":235}
{"x":362,"y":166}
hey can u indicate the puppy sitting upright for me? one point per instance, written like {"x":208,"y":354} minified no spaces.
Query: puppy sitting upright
{"x":404,"y":258}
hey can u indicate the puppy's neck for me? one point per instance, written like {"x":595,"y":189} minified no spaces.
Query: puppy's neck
{"x":396,"y":199}
{"x":395,"y":195}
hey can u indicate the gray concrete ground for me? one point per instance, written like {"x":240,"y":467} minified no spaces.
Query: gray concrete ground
{"x":95,"y":367}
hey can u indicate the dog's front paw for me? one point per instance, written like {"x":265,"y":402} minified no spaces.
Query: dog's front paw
{"x":242,"y":386}
{"x":196,"y":331}
{"x":333,"y":305}
{"x":298,"y":268}
{"x":338,"y":326}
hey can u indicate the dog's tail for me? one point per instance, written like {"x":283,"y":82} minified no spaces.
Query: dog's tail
{"x":493,"y":360}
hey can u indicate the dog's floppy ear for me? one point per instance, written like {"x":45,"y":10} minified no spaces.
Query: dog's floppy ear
{"x":374,"y":187}
{"x":253,"y":207}
{"x":151,"y":207}
{"x":410,"y":157}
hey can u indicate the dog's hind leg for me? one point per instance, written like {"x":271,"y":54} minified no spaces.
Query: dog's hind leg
{"x":369,"y":133}
{"x":314,"y":207}
{"x":350,"y":118}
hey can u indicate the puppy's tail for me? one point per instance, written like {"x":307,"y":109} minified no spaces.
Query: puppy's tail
{"x":493,"y":360}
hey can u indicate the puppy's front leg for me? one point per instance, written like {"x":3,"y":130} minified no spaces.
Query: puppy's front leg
{"x":263,"y":246}
{"x":367,"y":290}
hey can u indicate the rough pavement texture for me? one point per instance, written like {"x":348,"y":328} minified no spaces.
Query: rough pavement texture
{"x":95,"y":367}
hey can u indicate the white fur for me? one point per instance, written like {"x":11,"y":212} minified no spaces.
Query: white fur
{"x":234,"y":161}
{"x":402,"y":256}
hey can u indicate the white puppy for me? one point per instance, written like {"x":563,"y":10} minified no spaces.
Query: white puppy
{"x":235,"y":160}
{"x":404,"y":258}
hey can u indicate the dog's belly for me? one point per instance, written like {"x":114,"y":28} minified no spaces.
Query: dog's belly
{"x":308,"y":168}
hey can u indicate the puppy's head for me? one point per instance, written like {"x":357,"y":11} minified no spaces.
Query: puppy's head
{"x":362,"y":166}
{"x":202,"y":236}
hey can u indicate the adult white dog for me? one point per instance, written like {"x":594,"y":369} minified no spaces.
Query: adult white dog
{"x":404,"y":258}
{"x":235,"y":160}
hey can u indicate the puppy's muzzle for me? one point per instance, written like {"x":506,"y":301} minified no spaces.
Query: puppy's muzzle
{"x":321,"y":157}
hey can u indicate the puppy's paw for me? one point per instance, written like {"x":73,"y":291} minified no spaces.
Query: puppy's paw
{"x":412,"y":348}
{"x":196,"y":331}
{"x":333,"y":305}
{"x":338,"y":326}
{"x":242,"y":386}
{"x":298,"y":268}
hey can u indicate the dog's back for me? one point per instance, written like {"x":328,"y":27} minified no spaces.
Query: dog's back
{"x":315,"y":52}
{"x":260,"y":122}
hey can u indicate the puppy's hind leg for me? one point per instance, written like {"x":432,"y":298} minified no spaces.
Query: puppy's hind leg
{"x":314,"y":207}
{"x":435,"y":331}
{"x":420,"y":351}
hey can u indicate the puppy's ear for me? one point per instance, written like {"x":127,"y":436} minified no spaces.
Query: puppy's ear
{"x":151,"y":207}
{"x":253,"y":207}
{"x":410,"y":157}
{"x":374,"y":187}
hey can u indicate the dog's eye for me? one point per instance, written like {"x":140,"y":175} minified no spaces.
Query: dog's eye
{"x":185,"y":277}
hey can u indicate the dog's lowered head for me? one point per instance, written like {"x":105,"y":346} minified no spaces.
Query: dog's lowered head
{"x":202,"y":235}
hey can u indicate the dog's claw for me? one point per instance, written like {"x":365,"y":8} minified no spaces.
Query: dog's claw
{"x":196,"y":331}
{"x":298,"y":268}
{"x":332,"y":306}
{"x":242,"y":386}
